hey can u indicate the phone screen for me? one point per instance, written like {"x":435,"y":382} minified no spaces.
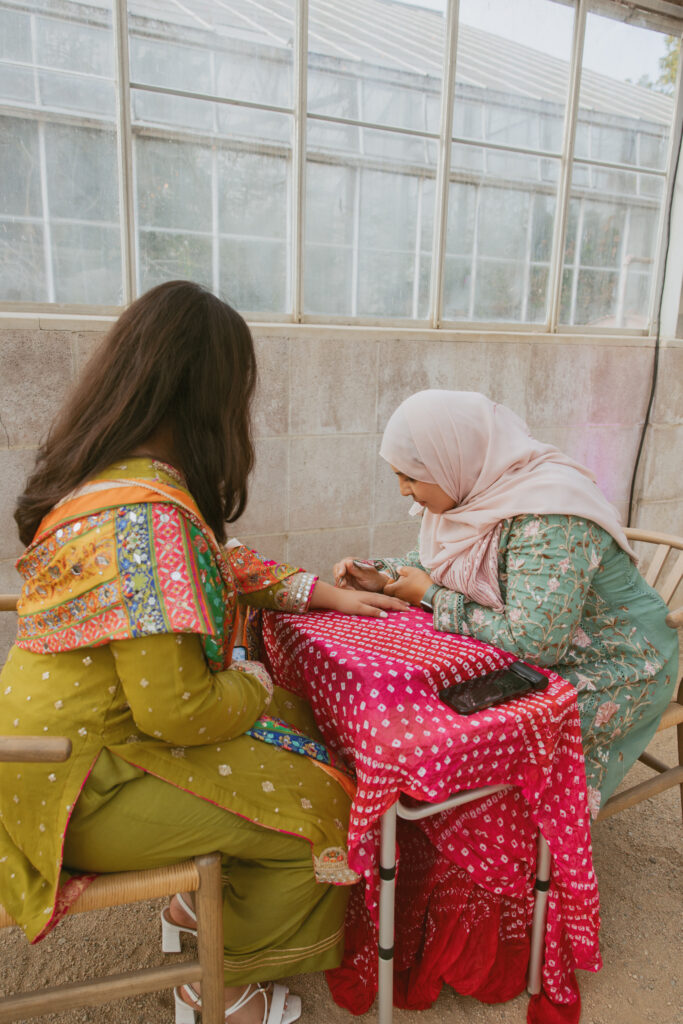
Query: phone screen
{"x":493,"y":688}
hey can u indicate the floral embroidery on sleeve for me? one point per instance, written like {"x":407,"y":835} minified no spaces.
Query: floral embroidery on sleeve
{"x":546,"y":564}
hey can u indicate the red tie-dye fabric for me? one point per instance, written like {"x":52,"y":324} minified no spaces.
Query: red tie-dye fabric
{"x":465,"y":879}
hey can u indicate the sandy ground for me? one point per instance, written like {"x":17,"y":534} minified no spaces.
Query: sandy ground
{"x":638,"y":859}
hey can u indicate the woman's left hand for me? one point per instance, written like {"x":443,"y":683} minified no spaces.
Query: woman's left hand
{"x":354,"y":602}
{"x":412,"y":584}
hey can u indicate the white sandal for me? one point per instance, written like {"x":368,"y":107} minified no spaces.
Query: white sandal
{"x":186,"y":1014}
{"x":170,"y":932}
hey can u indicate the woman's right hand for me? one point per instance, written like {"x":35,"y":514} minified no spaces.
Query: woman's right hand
{"x":352,"y":577}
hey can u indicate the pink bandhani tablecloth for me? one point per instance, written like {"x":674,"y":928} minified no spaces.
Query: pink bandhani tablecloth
{"x":464,"y":892}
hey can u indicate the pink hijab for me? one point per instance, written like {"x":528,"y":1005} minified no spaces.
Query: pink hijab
{"x":482,"y":455}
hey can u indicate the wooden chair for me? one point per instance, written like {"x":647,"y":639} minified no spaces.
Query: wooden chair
{"x":201,"y":875}
{"x":666,"y":583}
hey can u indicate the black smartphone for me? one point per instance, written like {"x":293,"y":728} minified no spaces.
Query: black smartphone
{"x":493,"y":688}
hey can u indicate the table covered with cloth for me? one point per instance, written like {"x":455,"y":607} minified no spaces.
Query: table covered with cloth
{"x":465,"y":880}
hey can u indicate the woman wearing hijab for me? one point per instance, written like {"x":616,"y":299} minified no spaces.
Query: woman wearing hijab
{"x":519,"y":548}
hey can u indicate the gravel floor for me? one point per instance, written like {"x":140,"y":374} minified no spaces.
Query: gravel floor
{"x":639,"y":862}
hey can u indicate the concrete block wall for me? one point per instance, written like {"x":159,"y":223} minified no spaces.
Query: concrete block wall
{"x":319,"y":488}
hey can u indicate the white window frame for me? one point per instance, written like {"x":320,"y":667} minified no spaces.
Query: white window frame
{"x":659,"y":14}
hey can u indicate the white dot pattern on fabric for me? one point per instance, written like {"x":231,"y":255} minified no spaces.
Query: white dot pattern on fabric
{"x":373,"y":684}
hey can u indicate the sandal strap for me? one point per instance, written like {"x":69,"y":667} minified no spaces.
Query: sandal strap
{"x":277,"y":1005}
{"x":193,"y":994}
{"x":246,"y":997}
{"x":186,"y":906}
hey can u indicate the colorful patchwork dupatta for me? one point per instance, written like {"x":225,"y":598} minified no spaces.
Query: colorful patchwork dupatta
{"x":129,"y":555}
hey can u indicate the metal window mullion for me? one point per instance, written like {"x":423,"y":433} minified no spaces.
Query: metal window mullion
{"x":417,"y":252}
{"x":34,"y":58}
{"x":613,"y":166}
{"x":298,"y":204}
{"x":566,"y":161}
{"x":137,"y":265}
{"x":358,"y":185}
{"x":209,"y":97}
{"x":675,"y":142}
{"x":443,"y":166}
{"x":215,"y":226}
{"x":577,"y":261}
{"x":124,"y":150}
{"x":355,"y":251}
{"x":624,"y":265}
{"x":45,"y":202}
{"x":475,"y":257}
{"x":42,"y":164}
{"x":35,"y":66}
{"x":526,"y":268}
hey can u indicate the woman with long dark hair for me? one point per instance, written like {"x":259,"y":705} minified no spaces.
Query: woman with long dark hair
{"x":128,"y":619}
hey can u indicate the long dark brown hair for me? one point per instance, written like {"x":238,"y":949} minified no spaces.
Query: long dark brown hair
{"x":177,"y":356}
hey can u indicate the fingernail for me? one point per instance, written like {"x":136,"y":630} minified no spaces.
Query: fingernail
{"x":384,"y":615}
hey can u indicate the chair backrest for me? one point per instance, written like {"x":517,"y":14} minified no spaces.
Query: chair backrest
{"x":666,"y":582}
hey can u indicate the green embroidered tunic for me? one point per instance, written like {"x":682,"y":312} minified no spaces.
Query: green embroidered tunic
{"x":576,"y":603}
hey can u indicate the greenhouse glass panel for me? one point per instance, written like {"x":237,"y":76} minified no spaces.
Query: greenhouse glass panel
{"x":622,"y":118}
{"x":510,"y":90}
{"x":87,"y":264}
{"x":329,"y":279}
{"x":330,"y":232}
{"x":386,"y":283}
{"x":15,"y":35}
{"x":457,"y":288}
{"x":61,"y":181}
{"x":16,"y":85}
{"x":330,"y":198}
{"x":253,"y":191}
{"x":202,"y":117}
{"x":498,"y":290}
{"x":20,"y":168}
{"x":389,"y":251}
{"x":383,"y":70}
{"x":606,"y":234}
{"x":498,"y":167}
{"x":503,"y":226}
{"x":253,"y":274}
{"x":506,"y":234}
{"x":333,"y":90}
{"x":174,"y":186}
{"x":238,"y":51}
{"x":168,"y":62}
{"x":596,"y":296}
{"x":252,"y":194}
{"x":512,"y":72}
{"x":361,"y":211}
{"x":80,"y":55}
{"x":81,"y":174}
{"x":462,"y":213}
{"x":237,"y":198}
{"x":170,"y":255}
{"x":22,"y":263}
{"x":537,"y":294}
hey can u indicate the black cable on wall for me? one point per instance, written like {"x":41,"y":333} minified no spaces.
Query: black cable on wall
{"x":655,"y":363}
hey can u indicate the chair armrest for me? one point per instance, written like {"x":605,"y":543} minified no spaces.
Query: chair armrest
{"x":34,"y":748}
{"x":675,"y":618}
{"x":8,"y":602}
